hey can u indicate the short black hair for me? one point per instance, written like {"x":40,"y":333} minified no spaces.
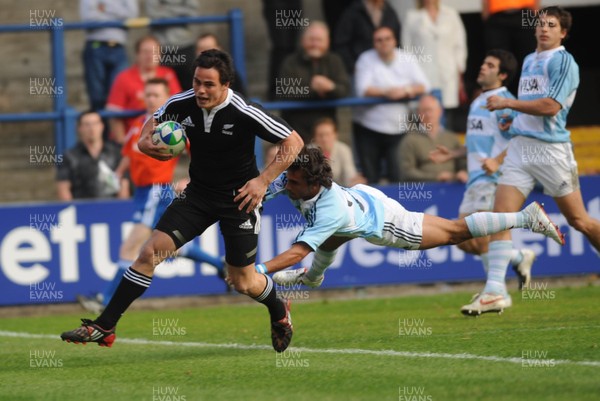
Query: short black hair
{"x":315,"y":166}
{"x":508,"y":63}
{"x":563,"y":16}
{"x":85,"y":113}
{"x":220,"y":61}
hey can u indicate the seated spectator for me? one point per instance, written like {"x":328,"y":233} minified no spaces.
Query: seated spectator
{"x":127,"y":92}
{"x":104,"y":55}
{"x":313,"y":72}
{"x":88,"y":169}
{"x":354,"y":31}
{"x":384,"y":71}
{"x":209,"y":41}
{"x":427,"y":136}
{"x":325,"y":136}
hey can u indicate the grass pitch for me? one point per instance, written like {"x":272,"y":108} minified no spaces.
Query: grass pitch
{"x":409,"y":348}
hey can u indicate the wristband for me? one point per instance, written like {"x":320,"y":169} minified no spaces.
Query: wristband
{"x":261,"y":268}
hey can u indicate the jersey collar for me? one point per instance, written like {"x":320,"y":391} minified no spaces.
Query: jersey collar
{"x":548,"y":53}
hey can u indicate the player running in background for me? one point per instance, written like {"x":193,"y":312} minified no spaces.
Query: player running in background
{"x":153,"y":193}
{"x":335,"y":215}
{"x":225,"y":186}
{"x":541,"y":147}
{"x":485,"y":147}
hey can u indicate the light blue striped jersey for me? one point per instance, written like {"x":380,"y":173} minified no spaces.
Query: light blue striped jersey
{"x":484,"y":138}
{"x":554,"y":74}
{"x":338,"y":211}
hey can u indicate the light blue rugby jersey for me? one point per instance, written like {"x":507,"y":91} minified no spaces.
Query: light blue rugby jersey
{"x":341,"y":211}
{"x":554,"y":74}
{"x":484,"y":138}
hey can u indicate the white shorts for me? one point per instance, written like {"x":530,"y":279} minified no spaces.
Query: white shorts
{"x":552,"y":164}
{"x":401,"y":228}
{"x":478,"y":197}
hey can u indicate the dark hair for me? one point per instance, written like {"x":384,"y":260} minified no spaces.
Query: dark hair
{"x":219,"y":60}
{"x":563,"y":16}
{"x":85,"y":113}
{"x":138,"y":43}
{"x":315,"y":166}
{"x":158,"y":81}
{"x":508,"y":63}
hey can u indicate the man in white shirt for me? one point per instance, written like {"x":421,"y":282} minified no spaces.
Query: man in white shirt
{"x":384,"y":71}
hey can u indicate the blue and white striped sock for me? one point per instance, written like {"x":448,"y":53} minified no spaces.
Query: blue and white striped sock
{"x":499,"y":253}
{"x":482,"y":224}
{"x":486,"y":262}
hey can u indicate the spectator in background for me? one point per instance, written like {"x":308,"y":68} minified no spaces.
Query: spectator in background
{"x":402,"y":7}
{"x":427,"y":135}
{"x":127,"y":92}
{"x":177,"y":41}
{"x":104,"y":54}
{"x":325,"y":136}
{"x":384,"y":71}
{"x":88,"y":169}
{"x":208,"y":41}
{"x":503,"y":28}
{"x":281,"y":17}
{"x":332,"y":10}
{"x":319,"y":71}
{"x":436,"y":36}
{"x":355,"y":28}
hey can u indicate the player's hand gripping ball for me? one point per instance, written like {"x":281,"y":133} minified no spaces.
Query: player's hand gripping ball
{"x":171,"y":134}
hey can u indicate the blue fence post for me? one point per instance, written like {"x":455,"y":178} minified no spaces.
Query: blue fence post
{"x":70,"y":127}
{"x":236,"y":34}
{"x":57,"y":42}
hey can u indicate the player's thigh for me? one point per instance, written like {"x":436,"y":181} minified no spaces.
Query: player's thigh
{"x":508,"y":199}
{"x":134,"y":241}
{"x":186,"y":218}
{"x":438,"y":231}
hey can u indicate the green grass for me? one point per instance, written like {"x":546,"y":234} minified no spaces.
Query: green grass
{"x":564,"y":328}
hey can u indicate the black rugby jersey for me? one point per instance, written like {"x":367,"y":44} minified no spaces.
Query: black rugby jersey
{"x":222,"y":141}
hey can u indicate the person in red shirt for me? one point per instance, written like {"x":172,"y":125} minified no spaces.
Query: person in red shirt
{"x":127,"y":91}
{"x":154,"y":191}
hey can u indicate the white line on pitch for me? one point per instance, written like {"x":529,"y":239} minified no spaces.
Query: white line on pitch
{"x":347,"y":351}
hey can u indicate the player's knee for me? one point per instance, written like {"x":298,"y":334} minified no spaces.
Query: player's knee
{"x":459,"y":232}
{"x":241,"y":286}
{"x":150,"y":256}
{"x":465,"y":246}
{"x":580,"y":223}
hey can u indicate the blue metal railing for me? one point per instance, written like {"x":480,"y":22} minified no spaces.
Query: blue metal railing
{"x":65,"y":116}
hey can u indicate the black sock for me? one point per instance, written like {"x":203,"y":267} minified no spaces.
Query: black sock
{"x":269,"y":298}
{"x":132,"y":286}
